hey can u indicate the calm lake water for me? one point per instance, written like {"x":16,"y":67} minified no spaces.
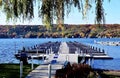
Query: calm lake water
{"x":8,"y":47}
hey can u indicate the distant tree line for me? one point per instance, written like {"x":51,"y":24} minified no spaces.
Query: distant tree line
{"x":70,"y":31}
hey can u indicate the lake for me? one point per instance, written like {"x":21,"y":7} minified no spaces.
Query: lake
{"x":8,"y":47}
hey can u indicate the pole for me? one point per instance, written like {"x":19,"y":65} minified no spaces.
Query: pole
{"x":21,"y":69}
{"x":49,"y":71}
{"x":67,"y":58}
{"x":51,"y":50}
{"x":46,"y":51}
{"x":89,"y":61}
{"x":43,"y":57}
{"x":37,"y":51}
{"x":32,"y":66}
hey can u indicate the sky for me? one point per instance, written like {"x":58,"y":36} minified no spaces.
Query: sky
{"x":112,"y":16}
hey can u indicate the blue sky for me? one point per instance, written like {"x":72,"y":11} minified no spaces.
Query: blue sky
{"x":111,"y":14}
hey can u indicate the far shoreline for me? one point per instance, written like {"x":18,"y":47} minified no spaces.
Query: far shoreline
{"x":65,"y":38}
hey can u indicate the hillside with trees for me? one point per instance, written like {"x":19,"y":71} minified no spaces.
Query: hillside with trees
{"x":69,"y":31}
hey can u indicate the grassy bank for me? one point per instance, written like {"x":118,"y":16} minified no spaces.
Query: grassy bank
{"x":13,"y":70}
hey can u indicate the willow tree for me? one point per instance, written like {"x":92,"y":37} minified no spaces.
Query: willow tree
{"x":50,"y":10}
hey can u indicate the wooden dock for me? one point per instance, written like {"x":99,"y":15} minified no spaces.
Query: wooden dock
{"x":43,"y":50}
{"x":64,"y":51}
{"x":42,"y":71}
{"x":56,"y":53}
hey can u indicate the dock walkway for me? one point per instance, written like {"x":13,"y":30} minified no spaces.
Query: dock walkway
{"x":63,"y":49}
{"x":43,"y":72}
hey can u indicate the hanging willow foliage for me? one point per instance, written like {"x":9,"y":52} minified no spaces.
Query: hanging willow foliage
{"x":59,"y":7}
{"x":18,"y":8}
{"x":87,"y":7}
{"x":50,"y":10}
{"x":46,"y":13}
{"x":0,"y":3}
{"x":55,"y":10}
{"x":99,"y":12}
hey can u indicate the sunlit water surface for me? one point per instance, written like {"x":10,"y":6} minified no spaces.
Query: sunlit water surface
{"x":8,"y":47}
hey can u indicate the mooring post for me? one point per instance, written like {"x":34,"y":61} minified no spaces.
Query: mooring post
{"x":77,"y":50}
{"x":21,"y":69}
{"x":99,"y":50}
{"x":49,"y":71}
{"x":43,"y":57}
{"x":96,"y":49}
{"x":46,"y":51}
{"x":51,"y":49}
{"x":93,"y":48}
{"x":37,"y":50}
{"x":103,"y":50}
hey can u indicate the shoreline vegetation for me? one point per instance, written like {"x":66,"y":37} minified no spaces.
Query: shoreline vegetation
{"x":13,"y":70}
{"x":67,"y":31}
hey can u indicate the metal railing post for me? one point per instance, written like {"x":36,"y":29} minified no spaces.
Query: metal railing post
{"x":49,"y":71}
{"x":21,"y":68}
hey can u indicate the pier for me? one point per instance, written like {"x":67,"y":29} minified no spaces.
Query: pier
{"x":62,"y":51}
{"x":42,"y":71}
{"x":57,"y":53}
